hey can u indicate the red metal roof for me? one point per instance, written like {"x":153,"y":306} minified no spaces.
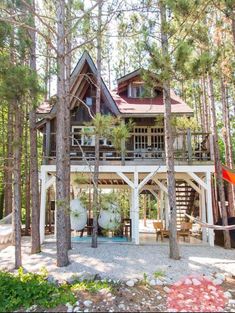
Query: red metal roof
{"x":150,"y":106}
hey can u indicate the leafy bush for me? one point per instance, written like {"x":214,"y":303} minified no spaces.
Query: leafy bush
{"x":24,"y":290}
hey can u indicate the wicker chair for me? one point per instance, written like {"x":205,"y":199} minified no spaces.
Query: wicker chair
{"x":185,"y":230}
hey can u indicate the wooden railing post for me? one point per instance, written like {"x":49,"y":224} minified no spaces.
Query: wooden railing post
{"x":189,"y":145}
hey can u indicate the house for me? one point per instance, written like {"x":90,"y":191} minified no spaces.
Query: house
{"x":141,"y":167}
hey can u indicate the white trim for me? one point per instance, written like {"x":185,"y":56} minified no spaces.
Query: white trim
{"x":126,"y":179}
{"x":198,"y":180}
{"x":210,"y":218}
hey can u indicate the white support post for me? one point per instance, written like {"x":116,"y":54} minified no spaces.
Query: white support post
{"x":203,"y":213}
{"x":209,"y":209}
{"x":161,"y":204}
{"x":55,"y":212}
{"x":136,"y":208}
{"x":43,"y":205}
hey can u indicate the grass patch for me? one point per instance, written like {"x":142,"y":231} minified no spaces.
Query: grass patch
{"x":159,"y":274}
{"x":92,"y":286}
{"x":21,"y":291}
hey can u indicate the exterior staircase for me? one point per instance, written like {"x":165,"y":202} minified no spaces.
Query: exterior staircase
{"x":185,"y":195}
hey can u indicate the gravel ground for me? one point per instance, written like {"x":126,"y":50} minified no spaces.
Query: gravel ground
{"x":120,"y":261}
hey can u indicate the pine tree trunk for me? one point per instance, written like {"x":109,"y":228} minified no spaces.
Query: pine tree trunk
{"x":27,"y":177}
{"x":34,"y":186}
{"x":97,"y":139}
{"x":227,"y":143}
{"x":67,"y":119}
{"x":17,"y":184}
{"x":61,"y":157}
{"x":9,"y":162}
{"x":220,"y":184}
{"x":174,"y":249}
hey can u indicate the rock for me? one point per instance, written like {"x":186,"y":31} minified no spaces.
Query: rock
{"x":69,"y":307}
{"x":227,"y":294}
{"x":130,"y":283}
{"x":51,"y":279}
{"x":196,"y":282}
{"x":121,"y":306}
{"x":231,"y":301}
{"x":86,"y":310}
{"x":135,"y":280}
{"x":166,"y":289}
{"x":158,"y":282}
{"x":217,"y":281}
{"x":152,"y":282}
{"x":76,"y":309}
{"x":159,"y":297}
{"x":87,"y":303}
{"x":220,"y":276}
{"x":188,"y":281}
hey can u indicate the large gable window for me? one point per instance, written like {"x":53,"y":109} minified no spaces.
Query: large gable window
{"x":139,"y":91}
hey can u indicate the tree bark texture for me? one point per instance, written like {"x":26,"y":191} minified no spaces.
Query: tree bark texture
{"x":174,"y":249}
{"x":17,"y":184}
{"x":220,"y":184}
{"x":97,"y":139}
{"x":61,"y":157}
{"x":34,"y":185}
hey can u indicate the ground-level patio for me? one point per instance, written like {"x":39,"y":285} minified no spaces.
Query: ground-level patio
{"x":124,"y":261}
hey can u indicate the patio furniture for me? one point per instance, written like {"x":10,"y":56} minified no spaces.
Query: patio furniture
{"x":127,"y":227}
{"x":160,"y":231}
{"x":185,"y":229}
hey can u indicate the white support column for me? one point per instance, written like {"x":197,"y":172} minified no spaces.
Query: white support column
{"x":161,"y":204}
{"x":55,"y":212}
{"x":136,"y":208}
{"x":132,"y":216}
{"x":43,"y":205}
{"x":209,"y":209}
{"x":203,"y":213}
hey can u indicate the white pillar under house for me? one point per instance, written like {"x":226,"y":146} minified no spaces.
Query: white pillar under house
{"x":43,"y":205}
{"x":136,"y":208}
{"x":210,"y":218}
{"x":203,"y":214}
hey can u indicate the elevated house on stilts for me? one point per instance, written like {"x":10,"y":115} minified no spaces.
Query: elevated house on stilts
{"x":140,"y":167}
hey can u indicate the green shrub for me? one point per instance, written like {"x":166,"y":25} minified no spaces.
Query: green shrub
{"x":21,"y":291}
{"x":93,"y":286}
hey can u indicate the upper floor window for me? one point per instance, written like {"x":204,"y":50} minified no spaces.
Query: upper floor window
{"x":139,"y":91}
{"x":82,"y":135}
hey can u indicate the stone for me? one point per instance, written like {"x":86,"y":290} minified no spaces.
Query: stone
{"x":51,"y":279}
{"x":130,"y":283}
{"x":217,"y":281}
{"x":87,"y":303}
{"x":152,"y":282}
{"x":159,"y":297}
{"x":158,"y":282}
{"x":166,"y":289}
{"x":188,"y":281}
{"x":196,"y":282}
{"x":76,"y":309}
{"x":135,"y":280}
{"x":227,"y":294}
{"x":121,"y":306}
{"x":220,"y":276}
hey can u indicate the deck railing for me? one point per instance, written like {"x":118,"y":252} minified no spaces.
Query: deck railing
{"x":188,"y":146}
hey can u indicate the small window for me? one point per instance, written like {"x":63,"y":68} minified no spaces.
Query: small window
{"x":139,"y":91}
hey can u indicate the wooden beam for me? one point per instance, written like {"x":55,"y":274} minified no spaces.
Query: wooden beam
{"x":146,"y":179}
{"x":195,"y":187}
{"x":162,"y":187}
{"x":126,"y":179}
{"x":198,"y":180}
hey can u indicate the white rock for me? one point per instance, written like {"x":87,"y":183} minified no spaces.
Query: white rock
{"x":217,"y":281}
{"x":121,"y":306}
{"x":135,"y":280}
{"x":76,"y":309}
{"x":159,"y":297}
{"x":70,"y":309}
{"x":231,"y":301}
{"x":87,"y":303}
{"x":220,"y":276}
{"x":86,"y":310}
{"x":227,"y":294}
{"x":158,"y":282}
{"x":188,"y":281}
{"x":166,"y":289}
{"x":196,"y":282}
{"x":130,"y":283}
{"x":152,"y":282}
{"x":77,"y":303}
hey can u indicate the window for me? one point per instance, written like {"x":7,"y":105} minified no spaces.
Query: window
{"x":139,"y":91}
{"x":79,"y":136}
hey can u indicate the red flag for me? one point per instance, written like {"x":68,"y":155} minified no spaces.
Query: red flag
{"x":228,"y":174}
